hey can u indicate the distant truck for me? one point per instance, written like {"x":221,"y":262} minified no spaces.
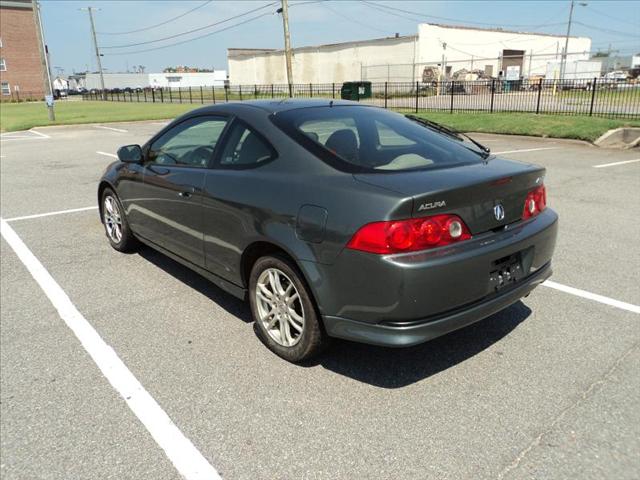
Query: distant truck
{"x":576,"y":70}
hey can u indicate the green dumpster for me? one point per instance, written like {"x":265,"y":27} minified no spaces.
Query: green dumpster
{"x":355,"y":90}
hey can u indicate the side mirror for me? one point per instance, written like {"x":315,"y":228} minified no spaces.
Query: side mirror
{"x":130,"y":154}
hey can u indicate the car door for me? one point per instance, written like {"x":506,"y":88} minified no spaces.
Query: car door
{"x":169,"y":207}
{"x":229,"y":196}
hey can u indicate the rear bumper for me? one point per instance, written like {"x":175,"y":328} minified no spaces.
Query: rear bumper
{"x":419,"y":331}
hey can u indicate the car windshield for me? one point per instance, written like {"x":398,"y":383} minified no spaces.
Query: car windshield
{"x":363,"y":138}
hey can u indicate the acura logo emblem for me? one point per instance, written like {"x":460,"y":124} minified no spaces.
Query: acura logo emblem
{"x":498,"y":212}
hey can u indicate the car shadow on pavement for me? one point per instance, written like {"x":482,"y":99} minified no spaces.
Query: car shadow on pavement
{"x":399,"y":367}
{"x":190,"y":278}
{"x":378,"y":366}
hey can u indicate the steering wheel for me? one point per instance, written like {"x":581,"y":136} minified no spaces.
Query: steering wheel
{"x":202,"y":154}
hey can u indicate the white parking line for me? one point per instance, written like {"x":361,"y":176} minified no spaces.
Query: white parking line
{"x":108,"y":154}
{"x":111,"y":128}
{"x":526,"y":150}
{"x":48,"y":214}
{"x":185,"y":457}
{"x":593,"y":296}
{"x":40,"y":134}
{"x":605,"y":165}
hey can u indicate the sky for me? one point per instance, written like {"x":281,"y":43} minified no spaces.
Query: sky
{"x":68,"y":34}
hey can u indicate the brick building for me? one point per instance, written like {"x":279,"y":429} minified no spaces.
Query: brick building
{"x":21,"y":72}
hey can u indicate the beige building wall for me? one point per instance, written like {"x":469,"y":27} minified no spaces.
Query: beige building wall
{"x":403,"y":58}
{"x":485,"y":46}
{"x":322,"y":64}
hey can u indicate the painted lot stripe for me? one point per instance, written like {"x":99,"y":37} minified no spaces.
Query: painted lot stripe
{"x":48,"y":214}
{"x":113,"y":155}
{"x":605,"y":165}
{"x":40,"y":134}
{"x":526,"y":150}
{"x":183,"y":454}
{"x":593,"y":296}
{"x":111,"y":128}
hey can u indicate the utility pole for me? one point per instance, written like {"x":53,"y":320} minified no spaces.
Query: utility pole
{"x":287,"y":43}
{"x":95,"y":45}
{"x":44,"y":60}
{"x":563,"y":65}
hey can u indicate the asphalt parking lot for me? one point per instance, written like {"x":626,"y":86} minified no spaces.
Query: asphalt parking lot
{"x":546,"y":389}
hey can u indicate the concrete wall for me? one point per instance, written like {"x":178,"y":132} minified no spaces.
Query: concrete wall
{"x":486,"y":46}
{"x":403,"y":58}
{"x":20,"y":50}
{"x":322,"y":64}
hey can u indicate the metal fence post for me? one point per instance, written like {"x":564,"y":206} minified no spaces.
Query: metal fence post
{"x":213,"y":93}
{"x":311,"y":90}
{"x":153,"y":96}
{"x":255,"y":91}
{"x":493,"y":92}
{"x":272,"y":90}
{"x":385,"y":94}
{"x":144,"y":94}
{"x":453,"y":84}
{"x":161,"y":95}
{"x":240,"y":90}
{"x":539,"y":95}
{"x":201,"y":95}
{"x":290,"y":90}
{"x":417,"y":87}
{"x":180,"y":94}
{"x":226,"y":94}
{"x":190,"y":98}
{"x":137,"y":95}
{"x":333,"y":90}
{"x":593,"y":95}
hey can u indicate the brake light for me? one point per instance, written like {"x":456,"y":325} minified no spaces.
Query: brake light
{"x":409,"y":235}
{"x":535,"y":202}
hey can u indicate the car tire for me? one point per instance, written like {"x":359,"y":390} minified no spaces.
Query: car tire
{"x":115,"y":223}
{"x":280,"y":331}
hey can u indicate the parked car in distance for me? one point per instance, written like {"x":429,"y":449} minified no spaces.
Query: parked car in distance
{"x":335,"y":219}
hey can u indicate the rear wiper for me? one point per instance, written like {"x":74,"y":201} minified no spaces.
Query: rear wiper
{"x":486,"y":151}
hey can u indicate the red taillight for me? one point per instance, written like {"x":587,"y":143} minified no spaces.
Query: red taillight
{"x":535,"y":202}
{"x":409,"y":235}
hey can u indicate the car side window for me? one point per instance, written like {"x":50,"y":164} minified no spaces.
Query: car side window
{"x":245,"y":148}
{"x":190,"y":143}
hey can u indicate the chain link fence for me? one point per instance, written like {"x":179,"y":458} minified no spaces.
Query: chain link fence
{"x":593,"y":97}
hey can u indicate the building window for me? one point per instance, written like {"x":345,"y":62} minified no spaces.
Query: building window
{"x":3,"y":65}
{"x":6,"y":89}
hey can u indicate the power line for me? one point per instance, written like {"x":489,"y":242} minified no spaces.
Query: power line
{"x":606,"y":30}
{"x":157,"y":24}
{"x":195,"y":38}
{"x":599,"y":12}
{"x":342,"y":15}
{"x":422,"y":15}
{"x":191,"y":31}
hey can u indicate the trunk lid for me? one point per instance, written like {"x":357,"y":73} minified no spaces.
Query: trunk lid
{"x":470,"y":191}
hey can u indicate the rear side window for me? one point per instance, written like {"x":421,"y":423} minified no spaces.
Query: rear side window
{"x":364,"y":139}
{"x":245,"y":148}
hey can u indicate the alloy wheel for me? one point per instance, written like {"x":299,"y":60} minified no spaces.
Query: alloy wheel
{"x":280,"y":308}
{"x":112,"y":219}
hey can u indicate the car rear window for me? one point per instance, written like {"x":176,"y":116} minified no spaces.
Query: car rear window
{"x":360,"y":138}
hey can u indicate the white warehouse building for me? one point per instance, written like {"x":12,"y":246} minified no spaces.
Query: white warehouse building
{"x":410,"y":58}
{"x":155,"y":80}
